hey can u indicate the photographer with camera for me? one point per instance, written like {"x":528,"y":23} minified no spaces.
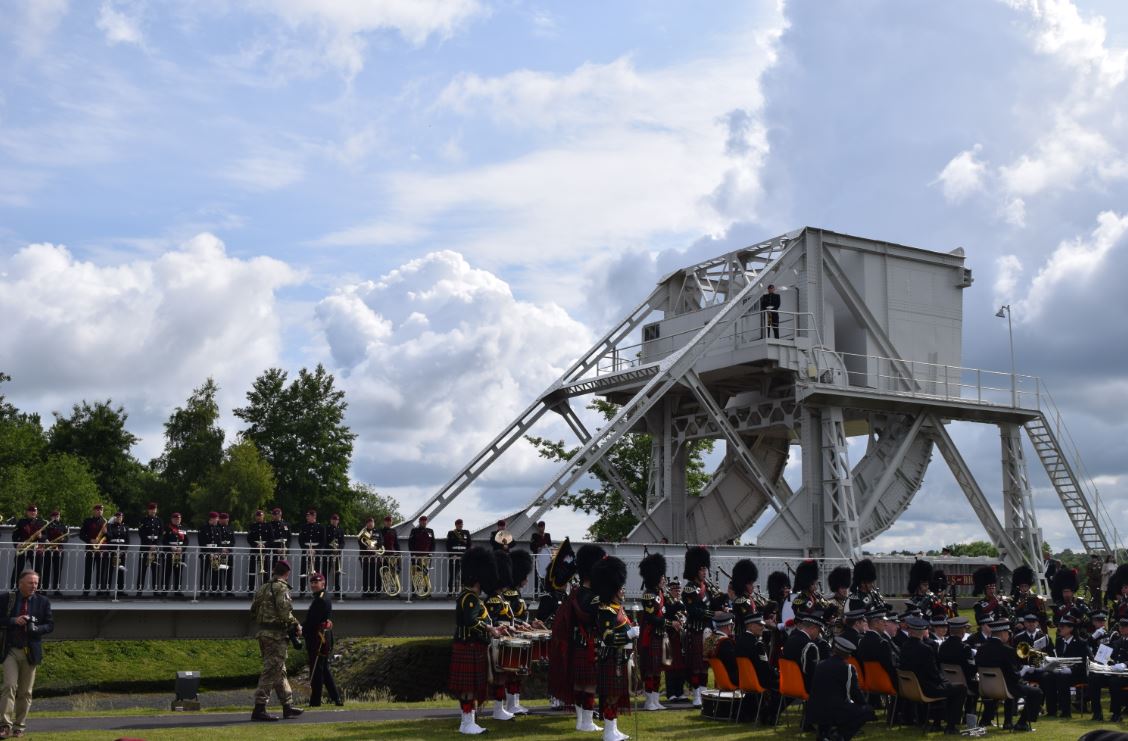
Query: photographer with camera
{"x":27,"y":618}
{"x":272,"y":610}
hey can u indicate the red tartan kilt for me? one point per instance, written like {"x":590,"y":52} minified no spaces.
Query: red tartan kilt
{"x":613,"y":684}
{"x":583,"y":666}
{"x":468,"y":670}
{"x":695,"y":654}
{"x":677,"y":652}
{"x":650,"y":655}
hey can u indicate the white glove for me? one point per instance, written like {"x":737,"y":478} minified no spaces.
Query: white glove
{"x":1025,"y":670}
{"x":1098,"y":632}
{"x":632,"y":632}
{"x":1119,"y":667}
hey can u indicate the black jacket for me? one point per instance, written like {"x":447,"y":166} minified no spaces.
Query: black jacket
{"x":957,"y":652}
{"x":919,"y":659}
{"x":835,"y":695}
{"x":43,"y":622}
{"x":877,"y":647}
{"x":994,"y":654}
{"x":320,"y":610}
{"x":801,"y":649}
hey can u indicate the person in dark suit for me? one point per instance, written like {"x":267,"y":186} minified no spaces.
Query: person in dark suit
{"x":877,"y":646}
{"x":919,"y":659}
{"x":769,"y":306}
{"x":1067,"y":646}
{"x":27,"y":618}
{"x":955,"y":651}
{"x":801,"y":646}
{"x":854,"y":626}
{"x":1118,"y":642}
{"x":318,"y":631}
{"x":458,"y":541}
{"x":996,"y":653}
{"x":837,"y":703}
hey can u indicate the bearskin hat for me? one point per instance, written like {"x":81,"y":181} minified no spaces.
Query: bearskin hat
{"x":607,"y":577}
{"x":695,"y":557}
{"x":478,"y":567}
{"x":806,"y":575}
{"x":777,"y":580}
{"x":1022,"y":575}
{"x":1063,"y":579}
{"x":587,"y":557}
{"x":864,"y":571}
{"x":1117,"y":580}
{"x":562,"y":567}
{"x":744,"y":573}
{"x":652,"y":569}
{"x":983,"y":576}
{"x":504,"y":569}
{"x":838,"y":578}
{"x":521,"y":562}
{"x":921,"y":571}
{"x":939,"y":581}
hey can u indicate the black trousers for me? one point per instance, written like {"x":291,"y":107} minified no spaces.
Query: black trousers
{"x":848,"y":722}
{"x":368,"y":578}
{"x":97,"y":564}
{"x":1115,"y":685}
{"x":320,"y":675}
{"x":174,"y":566}
{"x":955,"y":698}
{"x":52,"y":570}
{"x":148,"y":565}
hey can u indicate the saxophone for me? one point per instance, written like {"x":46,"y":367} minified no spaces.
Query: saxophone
{"x":32,"y":541}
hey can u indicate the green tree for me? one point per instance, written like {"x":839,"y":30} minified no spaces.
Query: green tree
{"x":974,"y":548}
{"x":243,"y":483}
{"x":193,"y":451}
{"x":367,"y":502}
{"x":631,"y":459}
{"x":97,"y":434}
{"x":299,"y":429}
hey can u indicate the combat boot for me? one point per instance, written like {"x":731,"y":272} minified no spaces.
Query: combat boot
{"x":260,"y":713}
{"x":289,"y":711}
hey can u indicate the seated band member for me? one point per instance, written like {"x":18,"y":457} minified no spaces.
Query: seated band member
{"x":918,"y":658}
{"x":1067,"y":646}
{"x":802,"y":647}
{"x":956,"y":651}
{"x":720,"y":645}
{"x":615,"y":635}
{"x":652,"y":624}
{"x":837,"y":703}
{"x":1118,"y":642}
{"x":997,"y":653}
{"x":469,"y":659}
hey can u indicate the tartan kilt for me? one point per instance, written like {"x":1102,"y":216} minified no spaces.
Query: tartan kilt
{"x":613,"y":684}
{"x":677,"y":652}
{"x":650,"y":655}
{"x":583,"y":666}
{"x":469,"y":666}
{"x":695,"y":662}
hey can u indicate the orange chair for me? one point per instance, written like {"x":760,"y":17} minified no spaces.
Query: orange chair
{"x":724,"y":683}
{"x":793,"y":685}
{"x":878,"y":682}
{"x":858,"y":670}
{"x":750,"y":681}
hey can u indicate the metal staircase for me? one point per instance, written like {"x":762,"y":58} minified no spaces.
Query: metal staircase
{"x":1081,"y":502}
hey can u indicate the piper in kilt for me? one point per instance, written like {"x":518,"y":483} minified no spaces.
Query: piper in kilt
{"x":695,"y":596}
{"x":469,"y":658}
{"x":652,"y":659}
{"x":675,"y":629}
{"x":498,"y":608}
{"x":583,"y":606}
{"x":615,"y":635}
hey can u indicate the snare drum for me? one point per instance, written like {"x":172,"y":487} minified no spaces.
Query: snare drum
{"x":513,"y":655}
{"x":541,"y":639}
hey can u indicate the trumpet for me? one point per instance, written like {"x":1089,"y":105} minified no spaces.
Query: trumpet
{"x":1026,"y":652}
{"x":32,"y":541}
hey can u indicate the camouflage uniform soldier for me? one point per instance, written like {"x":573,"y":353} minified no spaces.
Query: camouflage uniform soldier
{"x":272,"y":609}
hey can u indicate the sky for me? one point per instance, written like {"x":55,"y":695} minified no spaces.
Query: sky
{"x":447,"y":202}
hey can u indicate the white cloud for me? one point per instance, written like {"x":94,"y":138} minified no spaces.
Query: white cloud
{"x":144,"y":332}
{"x":437,"y":357}
{"x":374,"y":235}
{"x":266,"y":171}
{"x":618,"y":156}
{"x":962,"y":176}
{"x":1059,"y":158}
{"x":1072,"y":264}
{"x":120,"y":24}
{"x":1008,"y":270}
{"x":34,"y":22}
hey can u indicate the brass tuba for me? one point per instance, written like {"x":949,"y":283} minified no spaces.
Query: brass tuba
{"x":368,"y":543}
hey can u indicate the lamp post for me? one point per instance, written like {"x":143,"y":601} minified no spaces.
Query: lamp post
{"x":1005,"y":310}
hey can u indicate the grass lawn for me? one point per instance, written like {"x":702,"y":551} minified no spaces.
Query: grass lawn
{"x":665,"y":726}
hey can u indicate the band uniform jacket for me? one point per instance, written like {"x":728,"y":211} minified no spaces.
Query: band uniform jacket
{"x":258,"y":535}
{"x":753,"y":648}
{"x":117,"y":533}
{"x":770,"y":302}
{"x":26,"y":527}
{"x":919,"y":659}
{"x":174,"y":536}
{"x":878,"y":647}
{"x":517,"y":607}
{"x":996,"y":654}
{"x":334,"y":539}
{"x":41,"y":622}
{"x":318,"y":640}
{"x":498,"y":608}
{"x":207,"y":537}
{"x":472,"y":619}
{"x":421,"y":540}
{"x":538,"y":541}
{"x":56,"y":532}
{"x":1079,"y":611}
{"x":1031,"y":604}
{"x":977,"y":639}
{"x":835,"y":694}
{"x":312,"y":535}
{"x":458,"y":540}
{"x":279,"y":535}
{"x":149,"y":531}
{"x":90,"y":529}
{"x":225,"y":534}
{"x":1075,"y":648}
{"x":1025,"y":637}
{"x":389,"y":538}
{"x":958,"y":653}
{"x":801,"y":649}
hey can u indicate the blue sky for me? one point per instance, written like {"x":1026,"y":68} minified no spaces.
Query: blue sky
{"x":445,"y":201}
